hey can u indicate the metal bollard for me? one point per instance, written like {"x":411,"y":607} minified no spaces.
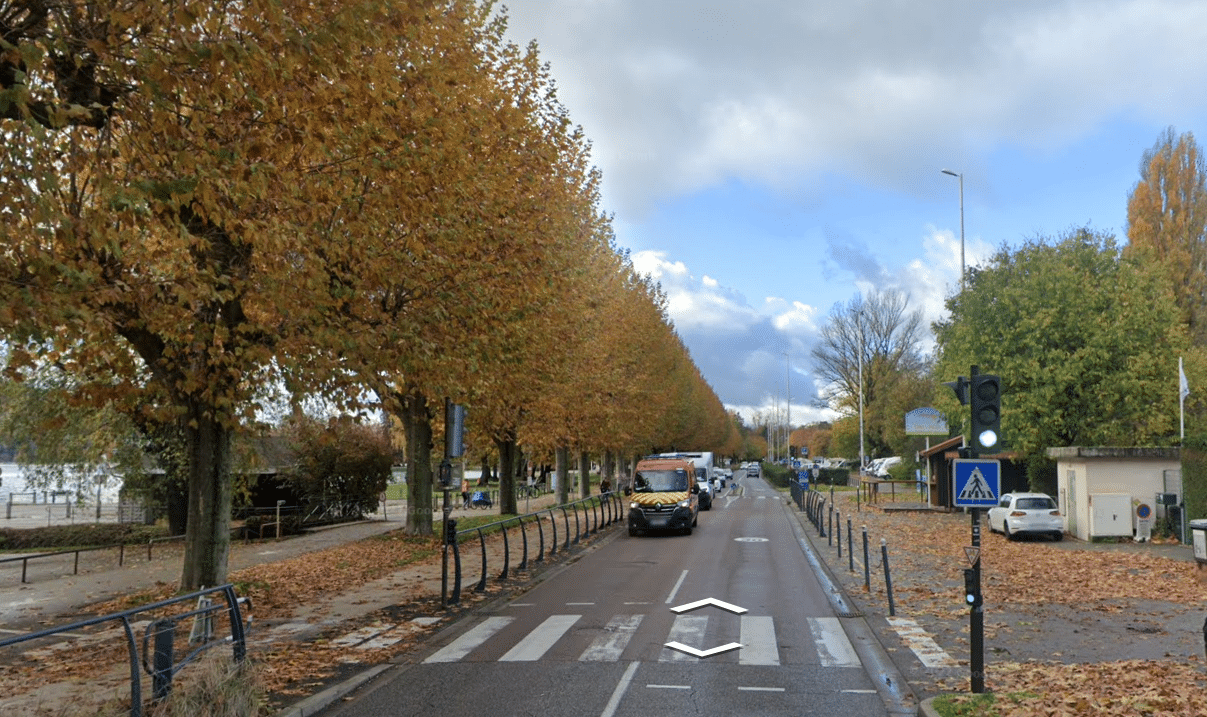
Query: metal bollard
{"x":850,"y":547}
{"x":888,"y":578}
{"x":161,"y":670}
{"x":867,"y":573}
{"x":830,"y":516}
{"x":838,"y":535}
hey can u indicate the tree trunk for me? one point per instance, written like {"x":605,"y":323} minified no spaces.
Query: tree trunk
{"x":207,"y":537}
{"x":609,"y":467}
{"x":562,"y":481}
{"x":584,"y":469}
{"x":507,"y":469}
{"x":484,"y":479}
{"x":417,"y":424}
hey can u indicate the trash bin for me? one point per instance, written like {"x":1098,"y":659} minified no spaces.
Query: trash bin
{"x":1198,"y":532}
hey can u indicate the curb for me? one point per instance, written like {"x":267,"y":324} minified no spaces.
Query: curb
{"x":927,"y":708}
{"x":319,"y":702}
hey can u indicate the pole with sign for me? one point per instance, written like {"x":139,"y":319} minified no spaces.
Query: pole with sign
{"x":977,"y":484}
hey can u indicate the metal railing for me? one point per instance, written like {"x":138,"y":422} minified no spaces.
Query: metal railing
{"x":160,"y":636}
{"x":597,"y":512}
{"x":75,"y":552}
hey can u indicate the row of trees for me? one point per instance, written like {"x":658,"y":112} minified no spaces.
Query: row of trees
{"x":1086,"y":334}
{"x":213,"y":207}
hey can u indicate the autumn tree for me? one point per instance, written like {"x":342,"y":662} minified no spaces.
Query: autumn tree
{"x":165,"y":169}
{"x":1167,"y":221}
{"x":1085,"y":341}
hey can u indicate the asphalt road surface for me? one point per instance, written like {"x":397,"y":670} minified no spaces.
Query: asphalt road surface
{"x":592,"y":641}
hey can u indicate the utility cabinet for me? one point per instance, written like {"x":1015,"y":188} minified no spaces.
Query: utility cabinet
{"x":1110,"y":515}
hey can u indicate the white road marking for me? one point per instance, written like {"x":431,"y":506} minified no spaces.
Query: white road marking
{"x":609,"y":646}
{"x":685,"y":630}
{"x":760,"y":689}
{"x":536,"y":643}
{"x":621,"y":688}
{"x":833,"y":646}
{"x":678,"y":584}
{"x":758,"y":641}
{"x":923,"y":645}
{"x":465,"y":644}
{"x":575,"y":604}
{"x":669,"y":687}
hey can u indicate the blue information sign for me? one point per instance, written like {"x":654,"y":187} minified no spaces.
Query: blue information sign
{"x":977,"y":483}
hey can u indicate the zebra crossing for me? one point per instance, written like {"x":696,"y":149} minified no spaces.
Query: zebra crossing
{"x":757,"y":637}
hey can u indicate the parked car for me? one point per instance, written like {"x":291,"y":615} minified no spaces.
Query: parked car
{"x":885,"y":463}
{"x":1026,"y":514}
{"x":752,"y":470}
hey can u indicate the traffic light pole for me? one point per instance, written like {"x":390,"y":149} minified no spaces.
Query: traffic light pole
{"x":976,"y":618}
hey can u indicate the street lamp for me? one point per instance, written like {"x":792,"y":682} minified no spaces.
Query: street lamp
{"x":861,"y":392}
{"x":961,"y":178}
{"x":788,"y":389}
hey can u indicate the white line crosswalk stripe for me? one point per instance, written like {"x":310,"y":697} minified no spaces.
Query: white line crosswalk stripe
{"x":759,"y":646}
{"x":757,"y":637}
{"x":609,"y":646}
{"x":475,"y":636}
{"x":833,"y":646}
{"x":687,"y":629}
{"x":536,"y":643}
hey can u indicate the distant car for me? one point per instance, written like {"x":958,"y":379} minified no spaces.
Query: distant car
{"x":1026,"y":514}
{"x":752,"y":470}
{"x":882,"y":469}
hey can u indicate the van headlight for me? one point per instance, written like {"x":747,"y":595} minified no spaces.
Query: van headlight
{"x":634,"y":506}
{"x":685,"y":503}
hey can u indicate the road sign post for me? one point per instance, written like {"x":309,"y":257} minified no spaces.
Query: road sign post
{"x":976,"y":484}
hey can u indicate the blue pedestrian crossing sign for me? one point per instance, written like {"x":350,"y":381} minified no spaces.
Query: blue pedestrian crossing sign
{"x":977,"y":483}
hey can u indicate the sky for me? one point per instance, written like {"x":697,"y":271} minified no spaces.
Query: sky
{"x":768,"y":160}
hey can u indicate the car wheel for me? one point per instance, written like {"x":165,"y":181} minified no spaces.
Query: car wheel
{"x":1058,"y":536}
{"x":632,"y":532}
{"x":695,"y":521}
{"x":1006,"y":531}
{"x":688,"y":530}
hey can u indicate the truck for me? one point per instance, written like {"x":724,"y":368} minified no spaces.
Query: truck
{"x":665,"y":496}
{"x":702,"y":463}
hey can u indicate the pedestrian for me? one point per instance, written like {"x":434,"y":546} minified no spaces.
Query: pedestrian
{"x":605,"y":486}
{"x":465,"y":492}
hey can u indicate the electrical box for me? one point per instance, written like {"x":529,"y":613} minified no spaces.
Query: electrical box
{"x":1167,"y":498}
{"x":1110,"y":515}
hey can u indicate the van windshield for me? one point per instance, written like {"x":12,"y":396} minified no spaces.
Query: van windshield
{"x":664,"y":481}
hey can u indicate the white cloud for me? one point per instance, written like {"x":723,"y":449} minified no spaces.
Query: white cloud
{"x":679,"y":97}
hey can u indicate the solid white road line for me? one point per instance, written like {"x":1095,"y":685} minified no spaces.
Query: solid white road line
{"x":758,"y":641}
{"x":679,"y":583}
{"x":621,"y":688}
{"x":463,"y":645}
{"x":833,"y":647}
{"x":610,"y":645}
{"x":537,"y":643}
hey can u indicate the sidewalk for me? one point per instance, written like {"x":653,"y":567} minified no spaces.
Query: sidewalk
{"x":62,"y":598}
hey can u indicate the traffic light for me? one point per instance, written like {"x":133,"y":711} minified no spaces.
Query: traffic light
{"x":985,"y":395}
{"x":972,"y":591}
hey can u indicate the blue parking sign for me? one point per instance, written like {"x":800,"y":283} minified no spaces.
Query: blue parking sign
{"x":977,"y":483}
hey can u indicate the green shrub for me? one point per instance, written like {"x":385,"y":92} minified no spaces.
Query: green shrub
{"x":82,"y":535}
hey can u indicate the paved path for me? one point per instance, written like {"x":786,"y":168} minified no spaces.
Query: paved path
{"x":55,"y":595}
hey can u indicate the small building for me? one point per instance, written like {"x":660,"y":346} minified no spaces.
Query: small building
{"x":1105,"y":491}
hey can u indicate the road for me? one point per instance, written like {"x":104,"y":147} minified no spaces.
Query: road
{"x":591,"y":641}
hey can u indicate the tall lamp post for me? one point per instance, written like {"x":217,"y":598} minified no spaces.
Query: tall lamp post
{"x":861,"y":393}
{"x":788,"y":408}
{"x":960,"y":176}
